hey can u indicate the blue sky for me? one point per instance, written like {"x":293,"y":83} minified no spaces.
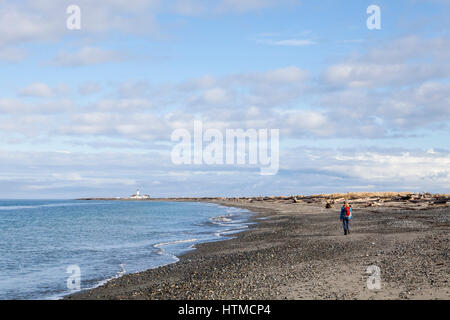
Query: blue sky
{"x":90,"y":112}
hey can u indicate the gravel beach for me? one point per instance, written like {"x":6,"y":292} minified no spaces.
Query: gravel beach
{"x":297,"y":250}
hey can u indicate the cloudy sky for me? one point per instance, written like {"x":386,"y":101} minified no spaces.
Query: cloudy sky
{"x":90,"y":112}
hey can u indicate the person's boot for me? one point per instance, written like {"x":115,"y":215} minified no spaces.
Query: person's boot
{"x":348,"y":231}
{"x":345,"y":232}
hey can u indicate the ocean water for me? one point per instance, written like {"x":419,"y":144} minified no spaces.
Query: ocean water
{"x":40,"y":239}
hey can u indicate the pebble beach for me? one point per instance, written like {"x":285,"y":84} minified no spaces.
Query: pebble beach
{"x":296,"y":250}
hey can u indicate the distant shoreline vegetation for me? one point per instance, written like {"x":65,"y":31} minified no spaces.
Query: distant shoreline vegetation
{"x":370,"y":198}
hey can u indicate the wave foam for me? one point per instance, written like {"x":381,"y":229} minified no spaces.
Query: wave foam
{"x":163,"y":244}
{"x":36,"y":206}
{"x":221,"y":219}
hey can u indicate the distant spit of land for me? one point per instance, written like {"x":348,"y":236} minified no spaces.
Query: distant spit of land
{"x":297,"y":250}
{"x":368,"y":199}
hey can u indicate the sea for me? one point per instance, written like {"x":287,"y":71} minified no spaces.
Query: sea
{"x":51,"y":248}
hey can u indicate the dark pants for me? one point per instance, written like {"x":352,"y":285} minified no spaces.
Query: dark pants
{"x":346,"y":224}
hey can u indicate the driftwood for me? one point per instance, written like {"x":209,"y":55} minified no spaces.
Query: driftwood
{"x":440,"y":201}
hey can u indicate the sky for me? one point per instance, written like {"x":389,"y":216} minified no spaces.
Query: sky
{"x":91,"y":111}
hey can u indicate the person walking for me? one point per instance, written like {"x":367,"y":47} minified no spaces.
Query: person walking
{"x":346,"y":217}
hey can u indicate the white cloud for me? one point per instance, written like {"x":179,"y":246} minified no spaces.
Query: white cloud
{"x":45,"y":19}
{"x":51,"y":107}
{"x":280,"y":78}
{"x":307,"y":122}
{"x":204,"y":82}
{"x":86,"y":56}
{"x":242,"y":6}
{"x":11,"y":54}
{"x":323,"y":170}
{"x":370,"y":75}
{"x":37,"y":89}
{"x":215,"y":96}
{"x":18,"y":25}
{"x":288,"y":75}
{"x":280,"y":98}
{"x":124,"y":105}
{"x":290,"y":42}
{"x":134,"y":125}
{"x":89,"y":88}
{"x":189,"y":7}
{"x":201,"y":7}
{"x":272,"y":97}
{"x":29,"y":126}
{"x":404,"y":61}
{"x":12,"y":105}
{"x":403,"y":110}
{"x":290,"y":39}
{"x":133,"y":89}
{"x":404,"y":168}
{"x":398,"y":88}
{"x":377,"y":169}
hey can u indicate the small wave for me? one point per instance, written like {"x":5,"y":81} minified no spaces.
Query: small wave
{"x":17,"y":207}
{"x":122,"y":271}
{"x":226,"y":232}
{"x":221,"y":219}
{"x":233,"y":209}
{"x":162,"y":252}
{"x":163,"y":244}
{"x":6,"y":208}
{"x":119,"y":274}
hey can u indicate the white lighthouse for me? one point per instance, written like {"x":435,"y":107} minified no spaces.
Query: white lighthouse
{"x":138,"y":196}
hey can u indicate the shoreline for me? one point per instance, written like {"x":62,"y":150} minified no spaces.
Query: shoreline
{"x":300,"y":253}
{"x":223,"y":237}
{"x":253,"y":220}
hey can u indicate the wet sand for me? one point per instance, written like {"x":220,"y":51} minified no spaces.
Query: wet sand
{"x":297,"y":250}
